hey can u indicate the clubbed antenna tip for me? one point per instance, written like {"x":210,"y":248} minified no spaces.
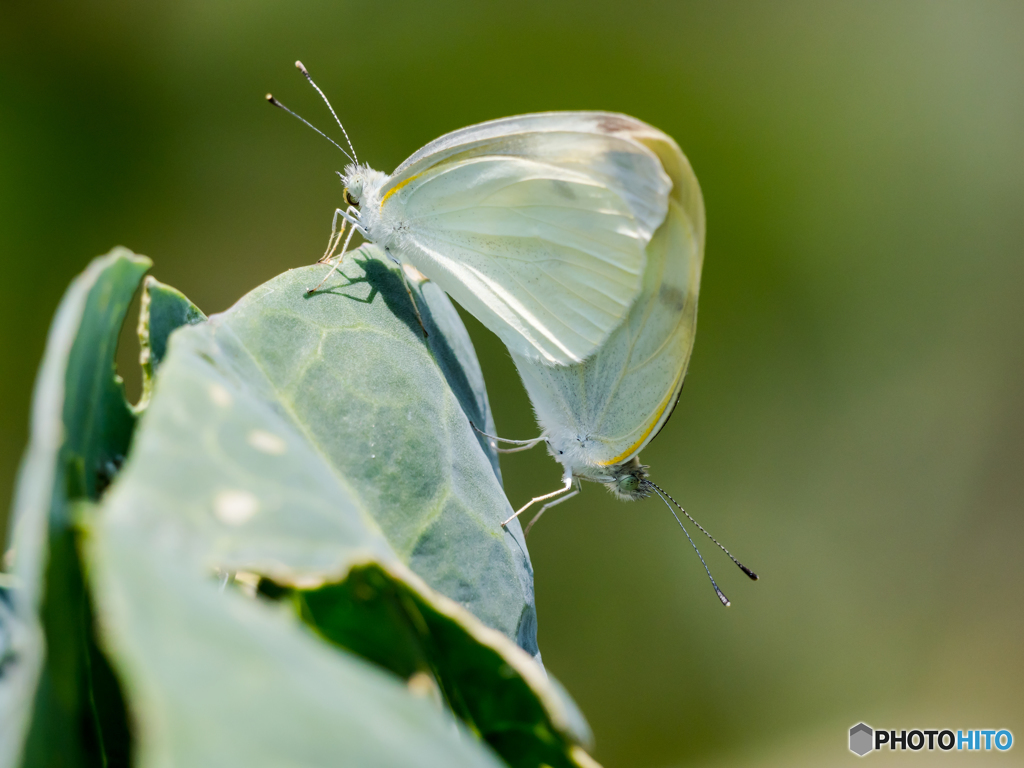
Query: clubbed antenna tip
{"x":663,"y":494}
{"x":665,"y":497}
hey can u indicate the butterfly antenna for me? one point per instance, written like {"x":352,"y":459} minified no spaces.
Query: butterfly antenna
{"x":720,"y":593}
{"x":664,"y":494}
{"x":279,"y":105}
{"x":305,"y":73}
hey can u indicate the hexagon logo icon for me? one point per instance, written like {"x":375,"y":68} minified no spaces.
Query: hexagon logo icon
{"x":861,"y":738}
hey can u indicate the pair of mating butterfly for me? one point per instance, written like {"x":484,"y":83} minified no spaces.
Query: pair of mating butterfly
{"x":576,"y":237}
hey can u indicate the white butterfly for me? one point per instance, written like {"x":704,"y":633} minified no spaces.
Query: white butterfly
{"x":537,"y":225}
{"x":576,"y":237}
{"x":598,"y":415}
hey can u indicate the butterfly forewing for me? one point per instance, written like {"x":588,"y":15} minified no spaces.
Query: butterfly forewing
{"x":539,"y":225}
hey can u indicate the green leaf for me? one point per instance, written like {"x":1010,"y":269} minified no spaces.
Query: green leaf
{"x":318,"y":415}
{"x":453,"y":350}
{"x":81,"y":428}
{"x":394,"y":619}
{"x":313,"y":441}
{"x":162,"y":310}
{"x":220,"y":680}
{"x":20,"y":659}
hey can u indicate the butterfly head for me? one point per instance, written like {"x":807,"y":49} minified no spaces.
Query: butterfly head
{"x":354,"y":180}
{"x":628,"y":481}
{"x":362,"y":186}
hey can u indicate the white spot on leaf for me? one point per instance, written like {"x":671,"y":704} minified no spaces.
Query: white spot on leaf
{"x":267,"y":442}
{"x":219,"y":395}
{"x":423,"y":686}
{"x":235,"y":507}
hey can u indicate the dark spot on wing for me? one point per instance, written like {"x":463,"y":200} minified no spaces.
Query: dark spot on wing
{"x":672,"y":297}
{"x":564,"y":189}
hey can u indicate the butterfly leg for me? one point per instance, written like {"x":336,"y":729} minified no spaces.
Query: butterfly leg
{"x":408,"y":290}
{"x":530,"y":444}
{"x":548,"y":506}
{"x":336,"y":234}
{"x":351,"y":215}
{"x":534,"y":500}
{"x":524,"y":445}
{"x":336,"y":266}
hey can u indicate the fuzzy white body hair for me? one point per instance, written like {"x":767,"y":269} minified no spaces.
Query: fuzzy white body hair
{"x":364,"y":185}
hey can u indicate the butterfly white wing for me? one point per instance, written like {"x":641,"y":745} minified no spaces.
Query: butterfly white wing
{"x":602,"y":412}
{"x":537,"y":225}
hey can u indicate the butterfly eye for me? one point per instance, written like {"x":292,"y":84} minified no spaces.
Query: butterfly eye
{"x":629,"y":483}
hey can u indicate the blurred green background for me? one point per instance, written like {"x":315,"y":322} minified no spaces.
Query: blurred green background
{"x":853,"y":421}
